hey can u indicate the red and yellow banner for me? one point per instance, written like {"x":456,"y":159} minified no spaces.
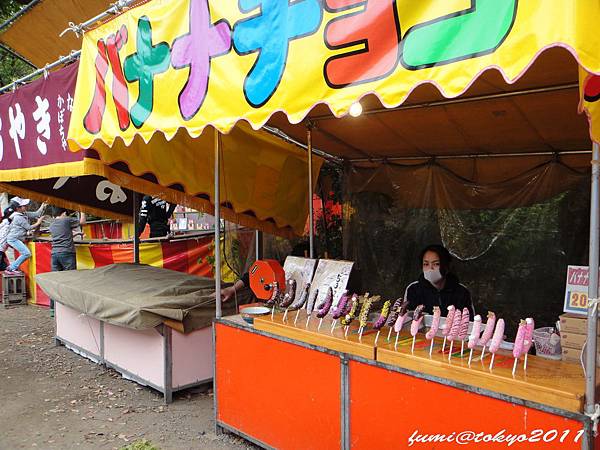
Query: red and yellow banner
{"x":172,"y":64}
{"x":191,"y":256}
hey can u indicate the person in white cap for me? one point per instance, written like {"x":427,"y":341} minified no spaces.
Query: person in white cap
{"x":17,"y":232}
{"x":14,"y":204}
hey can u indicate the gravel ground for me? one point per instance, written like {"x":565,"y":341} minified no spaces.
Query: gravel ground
{"x":55,"y":399}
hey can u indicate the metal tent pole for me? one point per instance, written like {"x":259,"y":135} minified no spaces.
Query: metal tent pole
{"x":136,"y":224}
{"x":592,"y":323}
{"x":311,"y":231}
{"x":258,"y":239}
{"x":217,"y":202}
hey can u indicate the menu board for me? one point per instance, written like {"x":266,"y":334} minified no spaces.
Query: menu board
{"x":330,"y":273}
{"x":299,"y":269}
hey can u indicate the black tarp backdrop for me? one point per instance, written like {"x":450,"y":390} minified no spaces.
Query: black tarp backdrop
{"x":514,"y":261}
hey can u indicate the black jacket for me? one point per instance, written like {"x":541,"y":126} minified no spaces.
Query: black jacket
{"x":422,"y":292}
{"x":156,"y":213}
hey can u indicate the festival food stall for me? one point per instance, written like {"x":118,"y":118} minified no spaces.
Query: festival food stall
{"x":80,"y":324}
{"x":506,"y":79}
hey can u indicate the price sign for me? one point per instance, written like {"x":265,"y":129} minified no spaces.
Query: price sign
{"x":578,"y":301}
{"x":576,"y":292}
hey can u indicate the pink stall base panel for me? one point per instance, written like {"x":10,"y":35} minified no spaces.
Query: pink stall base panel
{"x":78,"y":331}
{"x":138,"y":352}
{"x":192,"y":357}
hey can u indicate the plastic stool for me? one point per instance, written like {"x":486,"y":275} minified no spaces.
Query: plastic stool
{"x":14,"y":291}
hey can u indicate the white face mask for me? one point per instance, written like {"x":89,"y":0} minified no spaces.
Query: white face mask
{"x":433,"y":276}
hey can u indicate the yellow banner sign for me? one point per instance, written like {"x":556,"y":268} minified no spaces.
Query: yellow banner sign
{"x":589,"y":93}
{"x":170,"y":64}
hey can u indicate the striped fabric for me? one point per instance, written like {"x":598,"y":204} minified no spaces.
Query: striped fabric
{"x":188,"y":256}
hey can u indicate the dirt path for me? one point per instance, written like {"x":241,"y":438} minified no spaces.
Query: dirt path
{"x":54,"y":399}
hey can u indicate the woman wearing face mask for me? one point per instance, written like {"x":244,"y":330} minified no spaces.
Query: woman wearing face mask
{"x":437,"y":286}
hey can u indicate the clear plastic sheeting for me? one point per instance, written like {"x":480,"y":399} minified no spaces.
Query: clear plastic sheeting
{"x":469,"y":235}
{"x":511,"y":238}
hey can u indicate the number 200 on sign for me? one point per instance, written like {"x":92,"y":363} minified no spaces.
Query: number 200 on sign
{"x":578,"y":300}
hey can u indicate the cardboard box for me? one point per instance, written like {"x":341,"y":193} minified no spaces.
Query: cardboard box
{"x":573,"y":340}
{"x":572,"y":355}
{"x":574,"y":324}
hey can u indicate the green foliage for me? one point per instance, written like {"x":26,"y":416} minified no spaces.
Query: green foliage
{"x":11,"y":67}
{"x":141,"y":444}
{"x":210,"y":259}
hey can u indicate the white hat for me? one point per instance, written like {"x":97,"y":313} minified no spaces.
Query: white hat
{"x":20,"y":201}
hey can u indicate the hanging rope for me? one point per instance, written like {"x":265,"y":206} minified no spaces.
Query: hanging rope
{"x":594,"y":418}
{"x":77,"y":29}
{"x":119,"y":6}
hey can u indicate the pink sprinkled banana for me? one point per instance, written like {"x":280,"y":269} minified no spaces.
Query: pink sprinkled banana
{"x":528,"y":340}
{"x":455,"y":328}
{"x":401,"y":316}
{"x":498,"y":336}
{"x":519,"y":340}
{"x":489,"y":329}
{"x":435,"y":323}
{"x":464,"y":325}
{"x":417,"y":319}
{"x":474,"y":336}
{"x":449,"y":320}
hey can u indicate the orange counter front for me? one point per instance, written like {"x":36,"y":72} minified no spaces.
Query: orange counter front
{"x":280,"y":392}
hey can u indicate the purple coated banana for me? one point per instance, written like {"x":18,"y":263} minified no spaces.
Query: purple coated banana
{"x":341,"y":306}
{"x":326,"y":305}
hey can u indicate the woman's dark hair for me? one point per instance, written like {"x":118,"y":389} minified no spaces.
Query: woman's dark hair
{"x":8,"y":212}
{"x":441,"y":251}
{"x":58,"y":211}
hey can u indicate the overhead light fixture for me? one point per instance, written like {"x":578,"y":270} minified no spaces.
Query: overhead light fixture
{"x":356,"y":109}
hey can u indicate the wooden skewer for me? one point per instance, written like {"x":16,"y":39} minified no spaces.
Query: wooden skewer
{"x":333,"y":324}
{"x":450,"y":354}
